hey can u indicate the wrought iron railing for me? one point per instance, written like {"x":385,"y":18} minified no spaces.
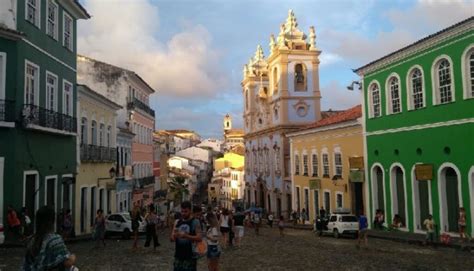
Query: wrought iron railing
{"x":96,"y":153}
{"x":7,"y":110}
{"x":33,"y":114}
{"x":141,"y":105}
{"x":142,"y":182}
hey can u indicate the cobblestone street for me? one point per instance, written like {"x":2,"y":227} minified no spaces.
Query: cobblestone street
{"x":298,"y":250}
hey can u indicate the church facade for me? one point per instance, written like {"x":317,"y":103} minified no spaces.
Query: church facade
{"x":281,"y":95}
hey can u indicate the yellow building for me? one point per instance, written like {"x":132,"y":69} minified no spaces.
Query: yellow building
{"x":326,"y":164}
{"x":227,"y":185}
{"x":95,"y":183}
{"x":230,"y":160}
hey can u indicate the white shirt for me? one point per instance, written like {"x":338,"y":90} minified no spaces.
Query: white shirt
{"x":225,"y":221}
{"x":212,"y":233}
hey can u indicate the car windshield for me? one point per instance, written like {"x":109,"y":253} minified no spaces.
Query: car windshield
{"x":349,"y":219}
{"x":127,"y":216}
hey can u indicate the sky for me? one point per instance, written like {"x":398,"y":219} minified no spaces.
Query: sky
{"x":192,"y":52}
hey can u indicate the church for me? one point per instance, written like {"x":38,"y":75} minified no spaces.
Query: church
{"x":233,"y":138}
{"x":281,"y":95}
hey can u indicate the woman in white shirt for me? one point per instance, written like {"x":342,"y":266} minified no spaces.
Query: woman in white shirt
{"x":224,"y":223}
{"x":213,"y":251}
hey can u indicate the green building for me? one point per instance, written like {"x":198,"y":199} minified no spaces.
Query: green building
{"x":38,"y":103}
{"x":419,"y":124}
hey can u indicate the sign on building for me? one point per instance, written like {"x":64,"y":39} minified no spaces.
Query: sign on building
{"x":424,"y":172}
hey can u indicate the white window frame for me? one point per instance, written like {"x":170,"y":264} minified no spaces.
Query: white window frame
{"x":305,"y":165}
{"x":55,"y":177}
{"x":101,"y":136}
{"x":36,"y":83}
{"x":69,"y":46}
{"x":296,"y":164}
{"x":435,"y":80}
{"x":324,"y":201}
{"x":314,"y":154}
{"x":409,"y":87}
{"x":56,"y":20}
{"x":336,"y":166}
{"x":371,"y":99}
{"x":323,"y":153}
{"x":83,"y":140}
{"x":37,"y":21}
{"x":65,"y":82}
{"x":109,"y":136}
{"x":466,"y":73}
{"x":55,"y":94}
{"x":3,"y":72}
{"x":31,"y":172}
{"x":394,"y":192}
{"x":342,"y":199}
{"x":93,"y":132}
{"x":389,"y":96}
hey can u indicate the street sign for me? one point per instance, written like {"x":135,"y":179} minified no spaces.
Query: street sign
{"x":356,"y":176}
{"x":356,"y":162}
{"x":424,"y":172}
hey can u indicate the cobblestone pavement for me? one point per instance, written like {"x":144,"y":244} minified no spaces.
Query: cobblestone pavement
{"x":298,"y":250}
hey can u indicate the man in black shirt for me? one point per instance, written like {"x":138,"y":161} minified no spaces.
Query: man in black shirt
{"x":238,"y":224}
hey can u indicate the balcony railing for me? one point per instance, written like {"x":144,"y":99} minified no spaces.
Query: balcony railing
{"x":142,"y":182}
{"x":7,"y":110}
{"x":93,"y":153}
{"x":33,"y":114}
{"x":135,"y":103}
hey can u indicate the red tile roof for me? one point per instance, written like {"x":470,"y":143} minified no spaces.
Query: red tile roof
{"x":347,"y":115}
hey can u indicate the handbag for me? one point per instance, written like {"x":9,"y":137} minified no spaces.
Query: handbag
{"x":200,"y":249}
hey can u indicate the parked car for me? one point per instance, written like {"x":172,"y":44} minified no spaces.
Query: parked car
{"x":2,"y":234}
{"x":339,"y":224}
{"x":121,"y":223}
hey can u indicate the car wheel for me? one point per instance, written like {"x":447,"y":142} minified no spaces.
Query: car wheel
{"x":126,"y":234}
{"x":336,"y":233}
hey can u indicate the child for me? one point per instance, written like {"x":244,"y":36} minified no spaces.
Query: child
{"x":281,"y":225}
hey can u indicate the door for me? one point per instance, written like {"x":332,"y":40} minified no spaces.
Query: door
{"x":400,"y":195}
{"x":424,"y":198}
{"x":327,"y":202}
{"x":51,"y":193}
{"x":452,"y":198}
{"x":316,"y":203}
{"x":278,"y":207}
{"x":332,"y":223}
{"x":380,"y":196}
{"x":298,"y":206}
{"x":358,"y":198}
{"x":93,"y":205}
{"x":83,"y":208}
{"x":31,"y":194}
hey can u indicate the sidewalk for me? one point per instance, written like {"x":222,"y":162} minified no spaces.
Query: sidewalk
{"x":402,"y":237}
{"x":17,"y":243}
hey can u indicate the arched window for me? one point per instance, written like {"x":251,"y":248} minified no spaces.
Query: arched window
{"x":468,"y":71}
{"x":471,"y":73}
{"x":109,"y":134}
{"x":300,"y":77}
{"x":297,"y":164}
{"x":94,"y":132}
{"x":416,"y":89}
{"x":443,"y":82}
{"x":375,"y":99}
{"x":101,"y":134}
{"x":394,"y":95}
{"x":84,"y":131}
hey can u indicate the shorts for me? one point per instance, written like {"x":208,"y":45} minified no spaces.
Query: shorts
{"x":363,"y":233}
{"x":239,"y":231}
{"x":429,"y":236}
{"x":225,"y":229}
{"x":213,"y":252}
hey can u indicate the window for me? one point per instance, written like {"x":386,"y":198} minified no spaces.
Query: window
{"x":325,"y":165}
{"x":416,"y":88}
{"x":52,"y":23}
{"x":101,"y":134}
{"x":297,"y":164}
{"x":277,"y":159}
{"x":67,"y":31}
{"x":468,"y":72}
{"x":471,"y":73}
{"x":31,"y":83}
{"x":300,"y":77}
{"x":3,"y":58}
{"x":32,"y":12}
{"x":109,"y":133}
{"x":314,"y":161}
{"x":305,"y":165}
{"x":67,"y":98}
{"x":94,"y":132}
{"x":338,"y":200}
{"x":84,"y":131}
{"x":51,"y":91}
{"x":375,"y":96}
{"x":394,"y":87}
{"x":338,"y":163}
{"x":443,"y":82}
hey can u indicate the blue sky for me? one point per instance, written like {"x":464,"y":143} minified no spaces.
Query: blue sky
{"x":192,"y":52}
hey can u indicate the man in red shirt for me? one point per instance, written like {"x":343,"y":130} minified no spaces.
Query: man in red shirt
{"x":13,"y":221}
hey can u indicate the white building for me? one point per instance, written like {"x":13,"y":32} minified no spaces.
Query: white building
{"x":214,"y":144}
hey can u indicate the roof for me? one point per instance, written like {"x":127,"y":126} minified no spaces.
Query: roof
{"x":179,"y":131}
{"x":329,"y":113}
{"x":82,"y":8}
{"x":98,"y":96}
{"x":10,"y":33}
{"x":468,"y":20}
{"x":347,"y":115}
{"x":129,"y":72}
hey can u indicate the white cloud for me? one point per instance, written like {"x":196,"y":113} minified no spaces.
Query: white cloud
{"x":125,"y":34}
{"x":329,"y":58}
{"x":336,"y":96}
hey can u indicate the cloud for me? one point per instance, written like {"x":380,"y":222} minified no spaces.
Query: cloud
{"x":406,"y":26}
{"x":336,"y":96}
{"x":186,"y":65}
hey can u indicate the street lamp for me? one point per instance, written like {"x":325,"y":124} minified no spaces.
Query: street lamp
{"x":351,"y":86}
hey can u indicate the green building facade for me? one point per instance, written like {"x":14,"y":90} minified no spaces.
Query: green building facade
{"x":38,"y":103}
{"x":419,"y":125}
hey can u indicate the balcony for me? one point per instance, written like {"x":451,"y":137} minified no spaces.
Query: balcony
{"x":93,"y":153}
{"x":145,"y":181}
{"x":7,"y":111}
{"x":135,"y":103}
{"x":43,"y":119}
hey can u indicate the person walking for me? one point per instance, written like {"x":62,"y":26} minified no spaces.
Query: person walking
{"x":213,"y":250}
{"x":136,"y":219}
{"x":185,"y":232}
{"x":462,"y":225}
{"x":322,"y":213}
{"x":224,"y":223}
{"x":270,"y":220}
{"x":13,"y":222}
{"x":66,"y":225}
{"x":363,"y":227}
{"x":152,"y":224}
{"x":281,"y":225}
{"x":47,"y":250}
{"x":25,"y":223}
{"x":99,"y":228}
{"x":239,"y":219}
{"x":294,"y":216}
{"x":429,"y":224}
{"x":256,"y":221}
{"x":304,"y":216}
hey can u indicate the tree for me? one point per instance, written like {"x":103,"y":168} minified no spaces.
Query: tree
{"x":179,"y":188}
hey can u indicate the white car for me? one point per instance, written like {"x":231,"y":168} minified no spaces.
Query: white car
{"x":2,"y":234}
{"x":343,"y":224}
{"x":121,"y":223}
